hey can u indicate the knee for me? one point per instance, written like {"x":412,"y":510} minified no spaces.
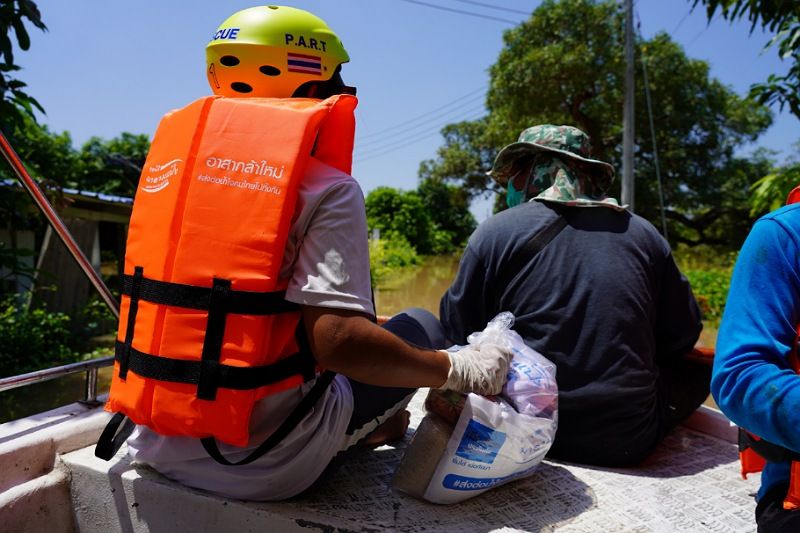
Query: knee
{"x":430,"y":323}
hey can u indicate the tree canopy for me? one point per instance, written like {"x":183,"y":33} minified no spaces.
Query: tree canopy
{"x":565,"y":65}
{"x":434,"y":219}
{"x":14,"y":101}
{"x":783,"y":18}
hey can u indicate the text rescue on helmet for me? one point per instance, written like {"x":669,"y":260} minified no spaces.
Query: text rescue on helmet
{"x":300,"y":41}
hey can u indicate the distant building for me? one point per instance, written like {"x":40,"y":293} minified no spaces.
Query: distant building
{"x":99,"y":224}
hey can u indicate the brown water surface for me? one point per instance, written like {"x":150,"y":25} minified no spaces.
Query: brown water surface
{"x":422,"y":286}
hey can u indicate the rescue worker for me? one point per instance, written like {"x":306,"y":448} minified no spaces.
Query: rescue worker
{"x":755,"y":381}
{"x":286,"y":53}
{"x":594,"y":288}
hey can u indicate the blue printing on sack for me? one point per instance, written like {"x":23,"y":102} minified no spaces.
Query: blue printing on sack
{"x":480,"y":443}
{"x":456,"y":482}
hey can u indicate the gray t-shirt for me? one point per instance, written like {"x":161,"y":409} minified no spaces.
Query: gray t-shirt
{"x":327,"y":262}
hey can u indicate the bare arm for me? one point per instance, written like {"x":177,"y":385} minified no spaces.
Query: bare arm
{"x":349,"y":343}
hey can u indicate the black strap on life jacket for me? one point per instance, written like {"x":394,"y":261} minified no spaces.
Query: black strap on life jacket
{"x":769,"y":451}
{"x":193,"y":297}
{"x":220,"y":301}
{"x":228,"y":377}
{"x":208,"y":373}
{"x":110,"y":440}
{"x":134,"y":291}
{"x":291,"y":421}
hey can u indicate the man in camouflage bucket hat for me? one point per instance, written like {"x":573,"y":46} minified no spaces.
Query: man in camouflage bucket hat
{"x":555,"y":162}
{"x":594,"y":290}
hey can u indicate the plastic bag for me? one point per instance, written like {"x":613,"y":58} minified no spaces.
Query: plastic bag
{"x":493,"y":440}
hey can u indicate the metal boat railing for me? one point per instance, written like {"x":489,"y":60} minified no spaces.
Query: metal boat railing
{"x":90,"y":367}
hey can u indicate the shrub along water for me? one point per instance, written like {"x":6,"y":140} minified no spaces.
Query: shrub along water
{"x":388,"y":254}
{"x":709,"y":272}
{"x":33,"y":339}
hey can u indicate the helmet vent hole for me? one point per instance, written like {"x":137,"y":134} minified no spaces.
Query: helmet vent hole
{"x":240,"y":87}
{"x":269,"y":70}
{"x":229,"y":61}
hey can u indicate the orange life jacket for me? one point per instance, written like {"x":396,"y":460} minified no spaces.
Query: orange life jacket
{"x":204,"y":329}
{"x":754,"y":452}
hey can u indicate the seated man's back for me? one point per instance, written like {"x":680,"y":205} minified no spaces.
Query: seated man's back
{"x":603,"y":300}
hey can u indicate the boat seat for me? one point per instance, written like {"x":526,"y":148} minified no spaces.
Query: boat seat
{"x":690,"y":483}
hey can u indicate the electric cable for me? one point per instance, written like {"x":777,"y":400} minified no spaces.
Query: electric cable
{"x":490,"y":6}
{"x":436,"y":128}
{"x":653,"y":135}
{"x":462,"y":12}
{"x":681,"y":22}
{"x":400,"y":146}
{"x":423,"y":115}
{"x":378,"y":140}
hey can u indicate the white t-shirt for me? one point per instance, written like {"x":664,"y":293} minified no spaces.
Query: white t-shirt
{"x":327,"y":260}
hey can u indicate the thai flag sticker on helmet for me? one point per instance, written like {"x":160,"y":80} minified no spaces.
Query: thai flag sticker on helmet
{"x":305,"y":63}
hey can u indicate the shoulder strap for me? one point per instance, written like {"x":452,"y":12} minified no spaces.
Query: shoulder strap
{"x":531,"y":249}
{"x":110,"y":440}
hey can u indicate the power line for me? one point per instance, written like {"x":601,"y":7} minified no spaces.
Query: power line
{"x":687,"y":45}
{"x":461,"y":12}
{"x":400,"y":146}
{"x":436,"y":128}
{"x":423,"y":115}
{"x":490,"y":6}
{"x":679,"y":23}
{"x":649,"y":102}
{"x":412,"y":127}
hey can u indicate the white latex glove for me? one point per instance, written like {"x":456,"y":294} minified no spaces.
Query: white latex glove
{"x":481,"y":368}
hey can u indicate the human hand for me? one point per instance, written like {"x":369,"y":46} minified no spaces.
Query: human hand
{"x":481,"y":368}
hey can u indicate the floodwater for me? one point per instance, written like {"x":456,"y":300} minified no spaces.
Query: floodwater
{"x":422,"y":286}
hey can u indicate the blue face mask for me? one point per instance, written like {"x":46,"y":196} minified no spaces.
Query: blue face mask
{"x":513,"y":196}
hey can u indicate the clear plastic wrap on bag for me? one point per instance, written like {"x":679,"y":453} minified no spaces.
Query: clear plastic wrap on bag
{"x":468,"y":444}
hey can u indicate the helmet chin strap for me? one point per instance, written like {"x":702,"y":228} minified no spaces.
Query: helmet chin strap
{"x":325,"y":89}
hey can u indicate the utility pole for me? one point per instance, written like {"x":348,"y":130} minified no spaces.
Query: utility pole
{"x":627,"y":115}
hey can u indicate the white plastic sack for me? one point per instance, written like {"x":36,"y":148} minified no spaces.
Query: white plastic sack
{"x":495,"y":440}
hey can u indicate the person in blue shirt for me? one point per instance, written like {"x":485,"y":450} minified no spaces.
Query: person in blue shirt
{"x":753,"y":381}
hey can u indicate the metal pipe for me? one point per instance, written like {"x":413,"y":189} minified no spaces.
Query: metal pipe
{"x":58,"y":226}
{"x":51,"y":373}
{"x":91,"y":386}
{"x":628,"y":136}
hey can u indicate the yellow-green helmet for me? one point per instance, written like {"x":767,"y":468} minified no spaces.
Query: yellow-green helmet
{"x":271,"y":51}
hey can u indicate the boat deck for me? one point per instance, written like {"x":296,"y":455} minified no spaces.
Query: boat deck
{"x":690,"y":484}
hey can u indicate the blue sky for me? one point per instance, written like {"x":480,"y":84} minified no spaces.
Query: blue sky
{"x":106,"y":67}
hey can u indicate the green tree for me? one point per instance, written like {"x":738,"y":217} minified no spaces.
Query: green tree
{"x":770,"y":192}
{"x":110,"y":166}
{"x":113,"y":166}
{"x":400,"y":214}
{"x":783,"y":18}
{"x":14,"y":101}
{"x":565,"y":65}
{"x":448,"y":207}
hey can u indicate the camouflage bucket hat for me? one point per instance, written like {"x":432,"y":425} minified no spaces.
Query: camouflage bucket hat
{"x":563,"y":140}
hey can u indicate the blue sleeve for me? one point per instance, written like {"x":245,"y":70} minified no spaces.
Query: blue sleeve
{"x":752,"y":381}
